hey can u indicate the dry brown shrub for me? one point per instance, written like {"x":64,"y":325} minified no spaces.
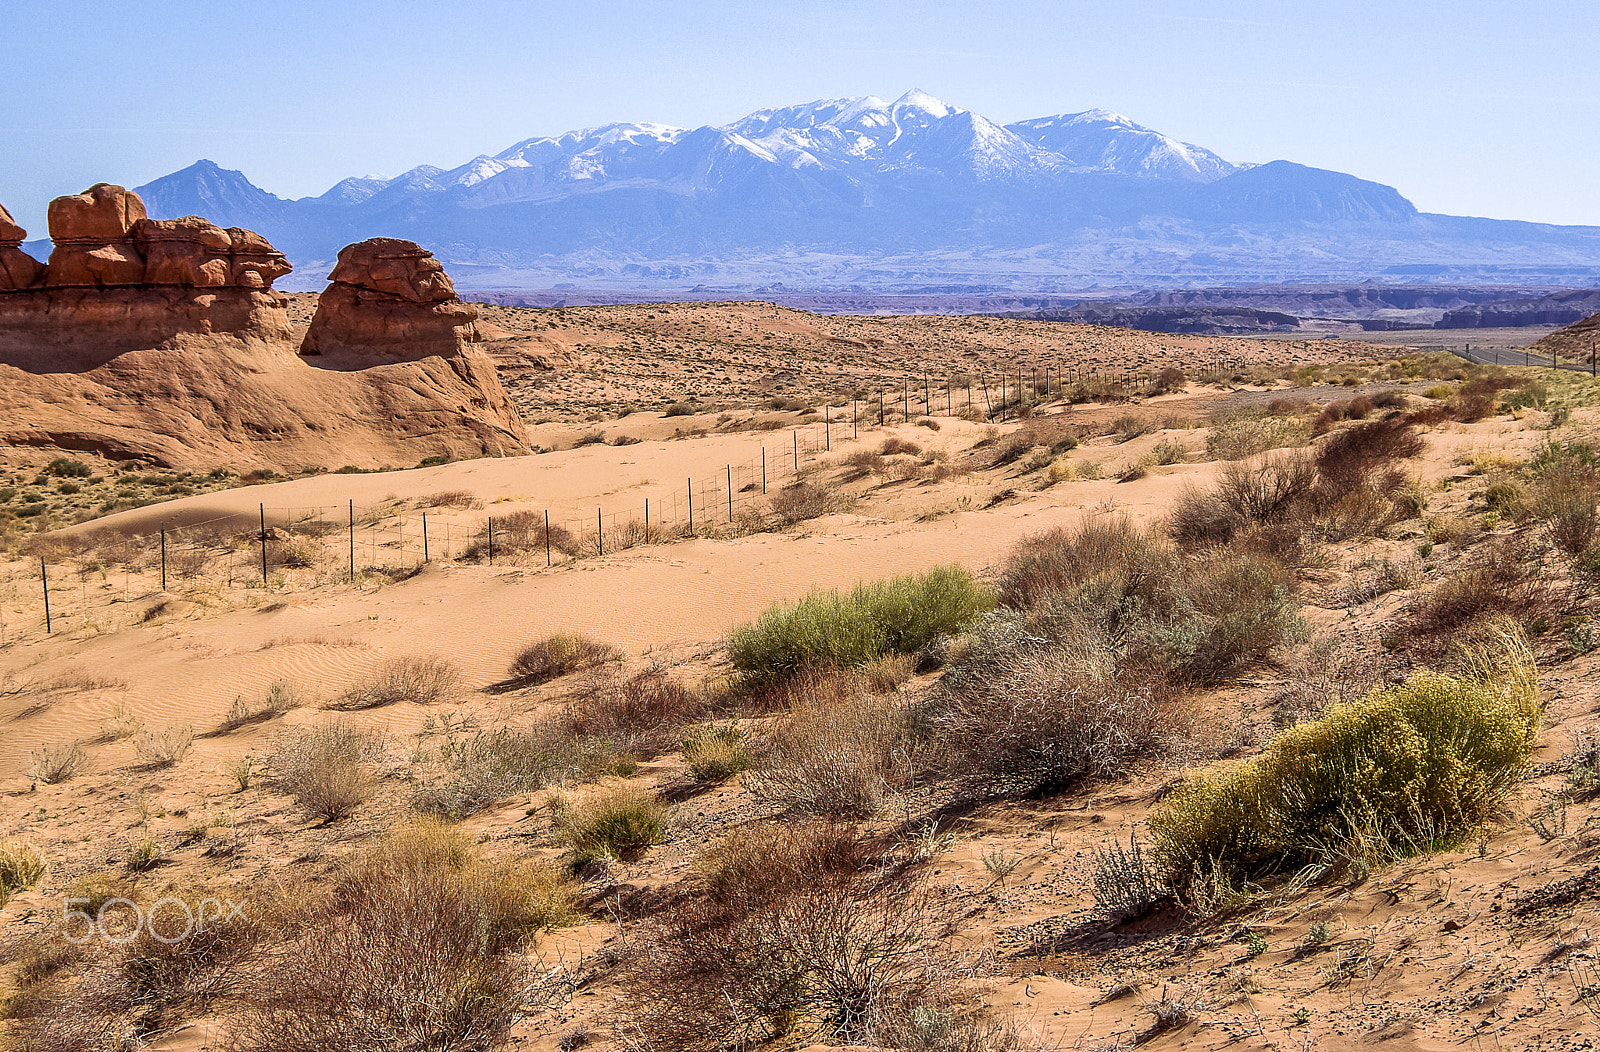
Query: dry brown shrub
{"x":814,"y":683}
{"x":519,"y":532}
{"x":1347,"y":458}
{"x":104,"y":996}
{"x":799,"y":502}
{"x":1504,"y":579}
{"x":492,"y":765}
{"x":418,"y":680}
{"x":1129,"y":426}
{"x":639,"y":715}
{"x":413,"y":947}
{"x":294,"y":552}
{"x":452,"y":498}
{"x":327,"y":768}
{"x":836,"y":757}
{"x":1021,"y":715}
{"x":894,"y":445}
{"x":560,"y":654}
{"x":54,"y":764}
{"x":1469,"y":408}
{"x":803,"y":934}
{"x":278,"y":700}
{"x":864,"y":462}
{"x":1355,"y":409}
{"x":164,"y":747}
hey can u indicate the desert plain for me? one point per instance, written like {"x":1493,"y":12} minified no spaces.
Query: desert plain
{"x":183,"y":708}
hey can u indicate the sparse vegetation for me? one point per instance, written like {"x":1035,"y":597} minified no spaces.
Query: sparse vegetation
{"x":849,"y":630}
{"x":54,"y":764}
{"x":560,"y":654}
{"x":715,"y":753}
{"x":1407,"y":769}
{"x":326,"y":768}
{"x":611,"y":823}
{"x":409,"y":679}
{"x":164,"y":747}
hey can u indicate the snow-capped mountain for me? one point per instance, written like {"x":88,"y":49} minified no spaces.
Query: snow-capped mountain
{"x":1102,"y":141}
{"x":913,"y":192}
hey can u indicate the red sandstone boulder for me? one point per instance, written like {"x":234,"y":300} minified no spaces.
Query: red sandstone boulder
{"x":187,"y":251}
{"x":256,"y":264}
{"x":93,"y":239}
{"x":18,"y":270}
{"x":390,"y":300}
{"x":102,"y":213}
{"x":400,"y":268}
{"x":103,"y":237}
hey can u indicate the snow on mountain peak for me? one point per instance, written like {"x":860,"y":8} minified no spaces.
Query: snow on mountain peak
{"x":920,"y":101}
{"x":1099,"y":116}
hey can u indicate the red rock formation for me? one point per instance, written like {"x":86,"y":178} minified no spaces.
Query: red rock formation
{"x":256,"y":264}
{"x":390,"y":301}
{"x":18,"y":270}
{"x":187,"y":251}
{"x":162,"y":340}
{"x":93,"y":238}
{"x":400,"y":268}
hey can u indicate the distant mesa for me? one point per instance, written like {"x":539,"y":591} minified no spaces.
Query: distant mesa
{"x":164,"y":341}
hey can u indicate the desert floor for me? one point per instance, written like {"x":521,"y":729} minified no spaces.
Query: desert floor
{"x":1487,"y":946}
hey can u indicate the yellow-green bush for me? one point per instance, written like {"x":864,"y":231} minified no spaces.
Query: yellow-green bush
{"x":1403,"y":769}
{"x":897,"y":615}
{"x":21,"y":866}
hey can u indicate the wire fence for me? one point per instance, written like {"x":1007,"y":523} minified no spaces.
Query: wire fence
{"x":100,"y":580}
{"x":1525,"y":356}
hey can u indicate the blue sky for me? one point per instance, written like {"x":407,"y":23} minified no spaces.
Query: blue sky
{"x":1468,"y":107}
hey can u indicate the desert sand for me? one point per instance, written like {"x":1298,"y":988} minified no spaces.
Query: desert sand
{"x":1451,"y":950}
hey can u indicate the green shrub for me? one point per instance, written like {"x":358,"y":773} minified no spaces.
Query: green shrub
{"x":897,"y":615}
{"x":62,"y":467}
{"x":715,"y":753}
{"x":1403,"y":770}
{"x":616,"y":823}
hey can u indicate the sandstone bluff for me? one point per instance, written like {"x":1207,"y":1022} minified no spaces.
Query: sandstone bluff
{"x":164,"y":341}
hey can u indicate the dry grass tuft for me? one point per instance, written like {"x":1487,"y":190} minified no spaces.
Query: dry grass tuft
{"x":417,"y":680}
{"x":326,"y":768}
{"x":559,"y":655}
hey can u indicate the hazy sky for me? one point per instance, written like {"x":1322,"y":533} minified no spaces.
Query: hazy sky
{"x":1469,"y":107}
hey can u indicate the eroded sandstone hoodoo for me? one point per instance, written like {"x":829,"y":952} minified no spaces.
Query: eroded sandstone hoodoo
{"x":163,"y":340}
{"x":18,"y":270}
{"x":390,"y":301}
{"x":93,"y":236}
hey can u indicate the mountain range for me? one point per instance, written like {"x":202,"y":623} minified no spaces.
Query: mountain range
{"x":913,"y":195}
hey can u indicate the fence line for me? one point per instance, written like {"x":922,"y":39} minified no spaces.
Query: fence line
{"x":255,"y":553}
{"x":1522,"y":357}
